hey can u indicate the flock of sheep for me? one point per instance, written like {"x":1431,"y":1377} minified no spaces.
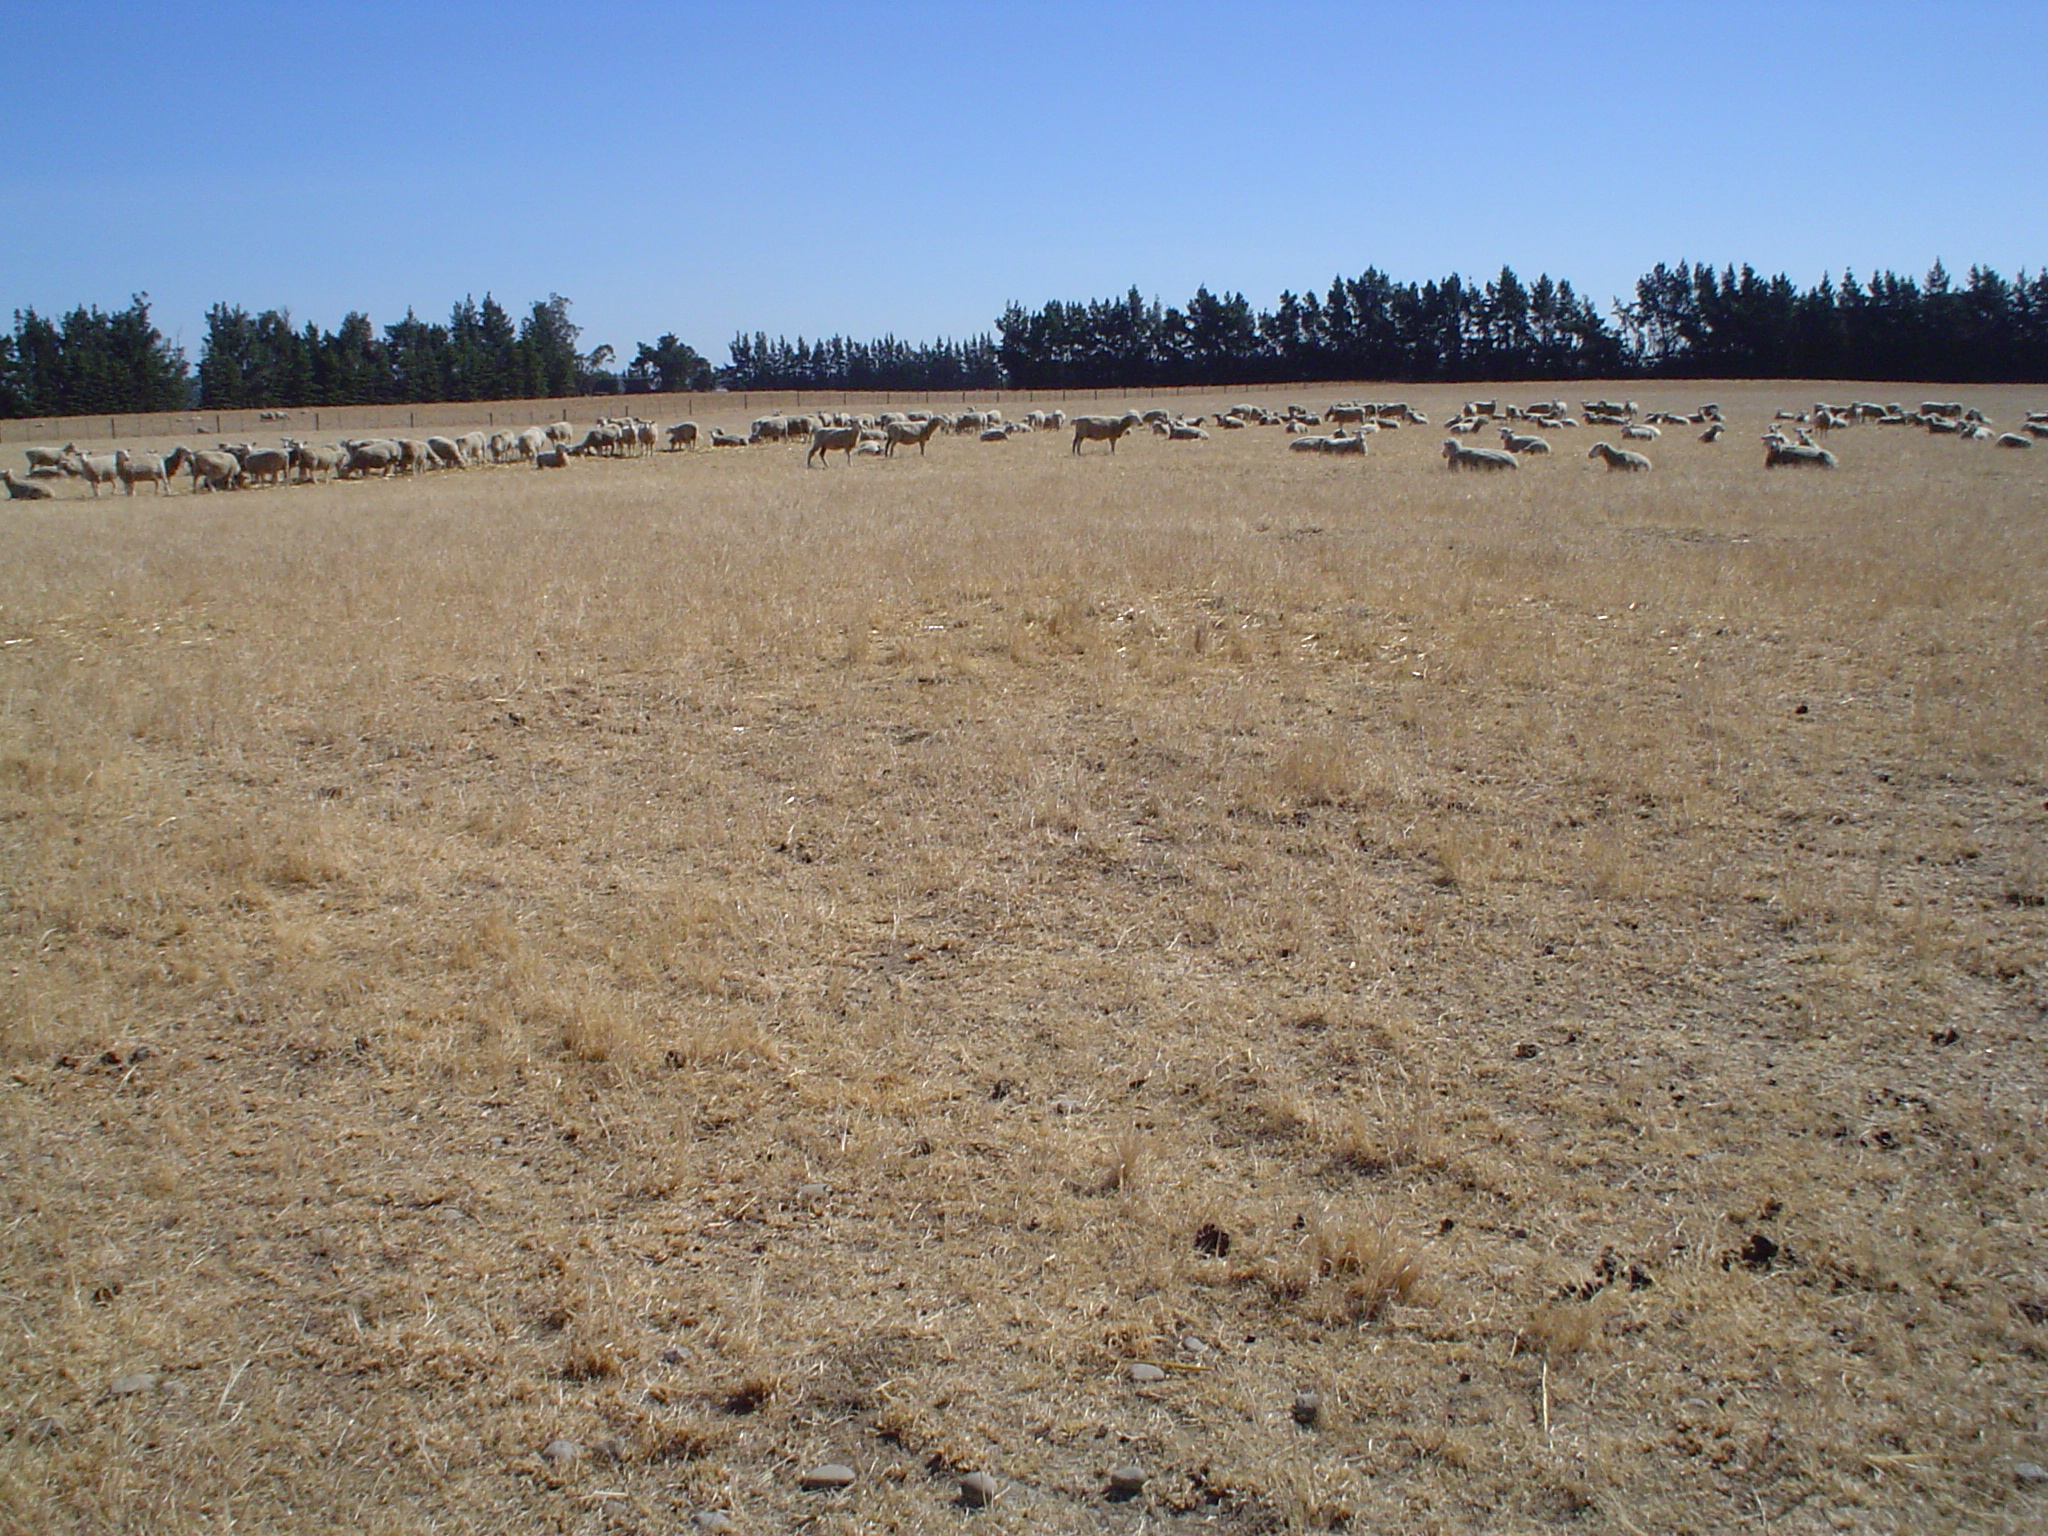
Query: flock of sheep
{"x":230,"y":466}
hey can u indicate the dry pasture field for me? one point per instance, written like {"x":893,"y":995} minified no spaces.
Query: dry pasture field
{"x":567,"y":1001}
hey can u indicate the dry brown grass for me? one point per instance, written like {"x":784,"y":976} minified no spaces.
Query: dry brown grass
{"x":741,"y":967}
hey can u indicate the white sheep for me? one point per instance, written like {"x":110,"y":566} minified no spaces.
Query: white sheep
{"x":98,"y":469}
{"x":2014,"y":440}
{"x":1458,"y":456}
{"x":1618,"y":458}
{"x":1104,"y":429}
{"x":682,"y":435}
{"x":904,"y":433}
{"x":1515,"y":442}
{"x":1796,"y":456}
{"x":133,"y":467}
{"x":23,"y":490}
{"x":825,"y":439}
{"x":1640,"y":434}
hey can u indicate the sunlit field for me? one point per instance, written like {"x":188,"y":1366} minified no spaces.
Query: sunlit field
{"x":1380,"y":998}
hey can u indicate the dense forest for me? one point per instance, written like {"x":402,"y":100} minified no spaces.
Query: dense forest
{"x":1687,"y":321}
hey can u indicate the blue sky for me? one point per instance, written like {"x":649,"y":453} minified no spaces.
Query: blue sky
{"x":910,"y":168}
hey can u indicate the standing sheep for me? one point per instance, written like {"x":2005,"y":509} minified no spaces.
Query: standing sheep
{"x":1104,"y":429}
{"x":826,"y":439}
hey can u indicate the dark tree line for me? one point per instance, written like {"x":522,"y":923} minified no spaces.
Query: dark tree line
{"x":1683,"y":321}
{"x":1692,"y":321}
{"x":90,"y":364}
{"x":888,"y":364}
{"x":480,"y":354}
{"x":1367,"y":327}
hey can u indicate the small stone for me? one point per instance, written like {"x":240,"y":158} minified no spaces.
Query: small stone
{"x":1308,"y":1407}
{"x":674,"y":1356}
{"x":2030,"y":1472}
{"x":39,"y":1430}
{"x":1142,"y":1371}
{"x":134,"y":1382}
{"x":1126,"y":1481}
{"x":613,"y":1449}
{"x":714,"y":1520}
{"x":813,"y":1194}
{"x":1067,"y":1106}
{"x":1194,"y":1346}
{"x":977,"y":1490}
{"x":834,"y":1474}
{"x":560,"y":1453}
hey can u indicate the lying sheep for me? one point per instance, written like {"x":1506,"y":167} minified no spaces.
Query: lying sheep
{"x":1458,"y":456}
{"x":2014,"y":440}
{"x":2037,"y":428}
{"x":1618,"y":458}
{"x":556,"y":457}
{"x":1641,"y":434}
{"x":23,"y":490}
{"x":1713,"y":432}
{"x":1796,"y":456}
{"x":1514,"y":442}
{"x":726,"y":440}
{"x":1184,"y":432}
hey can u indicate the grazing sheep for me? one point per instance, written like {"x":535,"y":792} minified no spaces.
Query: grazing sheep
{"x":1104,"y":429}
{"x":312,"y":463}
{"x":1796,"y":456}
{"x":825,"y":439}
{"x":1640,"y":434}
{"x":769,"y":429}
{"x":559,"y":431}
{"x":2014,"y":440}
{"x":23,"y":490}
{"x":379,"y":455}
{"x":682,"y":435}
{"x":446,"y":452}
{"x":269,"y":465}
{"x":1618,"y":458}
{"x":131,"y":468}
{"x":1458,"y":456}
{"x":1514,"y":442}
{"x":210,"y":468}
